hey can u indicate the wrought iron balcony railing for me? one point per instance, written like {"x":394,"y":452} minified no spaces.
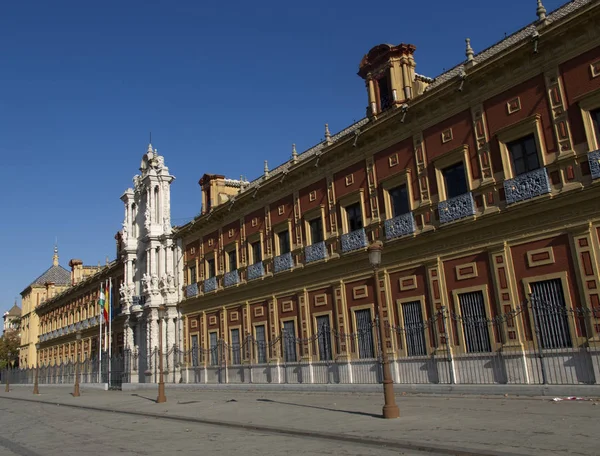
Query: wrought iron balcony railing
{"x":210,"y":284}
{"x":256,"y":270}
{"x":399,"y":226}
{"x":456,"y":208}
{"x":527,"y":186}
{"x":355,"y":240}
{"x":283,"y":262}
{"x":594,"y":161}
{"x":191,"y":290}
{"x":315,"y":252}
{"x":231,"y":278}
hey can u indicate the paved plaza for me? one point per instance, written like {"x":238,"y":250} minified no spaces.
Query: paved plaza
{"x":261,"y":422}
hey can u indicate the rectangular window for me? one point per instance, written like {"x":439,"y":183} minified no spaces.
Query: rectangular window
{"x":232,"y":260}
{"x":284,"y":241}
{"x":474,"y":322}
{"x":324,"y":338}
{"x":455,"y":180}
{"x":524,"y":155}
{"x":364,"y":330}
{"x":261,"y":344}
{"x":385,"y":94}
{"x":236,"y":357}
{"x":194,"y":350}
{"x":399,"y":199}
{"x":414,"y":329}
{"x":193,"y":277}
{"x":210,"y":268}
{"x":316,"y":230}
{"x":214,"y":349}
{"x":354,"y":213}
{"x":596,"y":121}
{"x":256,"y":252}
{"x":289,"y":341}
{"x":550,"y":314}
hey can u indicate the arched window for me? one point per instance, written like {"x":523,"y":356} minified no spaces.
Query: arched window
{"x":156,"y":206}
{"x":133,"y":220}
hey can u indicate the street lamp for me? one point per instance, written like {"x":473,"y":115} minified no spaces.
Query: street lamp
{"x":76,"y":386}
{"x":390,"y":409}
{"x":36,"y":389}
{"x":162,"y":313}
{"x":9,"y":355}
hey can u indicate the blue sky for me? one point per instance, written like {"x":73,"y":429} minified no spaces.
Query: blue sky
{"x":223,"y":86}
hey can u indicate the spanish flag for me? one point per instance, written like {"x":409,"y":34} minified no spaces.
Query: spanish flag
{"x":106,"y":303}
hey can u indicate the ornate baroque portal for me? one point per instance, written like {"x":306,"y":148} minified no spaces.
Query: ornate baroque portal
{"x":150,"y":257}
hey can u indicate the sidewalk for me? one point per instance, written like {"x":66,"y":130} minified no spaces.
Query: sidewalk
{"x":464,"y":425}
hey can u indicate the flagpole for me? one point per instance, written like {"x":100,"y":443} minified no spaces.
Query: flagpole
{"x":101,"y":317}
{"x":110,"y":304}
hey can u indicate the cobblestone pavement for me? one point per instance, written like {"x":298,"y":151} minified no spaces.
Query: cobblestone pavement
{"x":447,"y":424}
{"x":35,"y":429}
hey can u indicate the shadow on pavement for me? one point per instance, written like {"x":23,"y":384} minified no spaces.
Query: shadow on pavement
{"x":351,"y":412}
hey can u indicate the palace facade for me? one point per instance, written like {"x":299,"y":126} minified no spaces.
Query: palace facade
{"x":483,"y":185}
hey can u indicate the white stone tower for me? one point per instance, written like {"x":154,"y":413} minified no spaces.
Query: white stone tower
{"x":151,"y":260}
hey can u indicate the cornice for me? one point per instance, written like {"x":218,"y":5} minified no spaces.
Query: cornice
{"x":540,"y":217}
{"x":517,"y":64}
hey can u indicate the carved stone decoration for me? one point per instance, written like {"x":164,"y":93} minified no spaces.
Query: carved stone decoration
{"x":372,"y":182}
{"x":124,"y":232}
{"x":297,"y":218}
{"x":482,"y":142}
{"x":355,"y":240}
{"x":242,"y":242}
{"x":331,"y":204}
{"x":560,"y":117}
{"x":283,"y":262}
{"x":256,"y":270}
{"x":146,"y":282}
{"x":399,"y":226}
{"x":456,"y":208}
{"x":421,"y":161}
{"x":147,"y":220}
{"x":315,"y":252}
{"x":267,"y":231}
{"x":594,"y":161}
{"x":527,"y":186}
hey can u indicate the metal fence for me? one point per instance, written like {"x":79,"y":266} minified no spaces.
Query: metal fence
{"x":543,"y":342}
{"x":91,"y":370}
{"x":539,"y":343}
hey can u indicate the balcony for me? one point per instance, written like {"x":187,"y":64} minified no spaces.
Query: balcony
{"x":315,"y":252}
{"x":283,"y":262}
{"x":456,"y":208}
{"x":594,"y":161}
{"x":191,"y":290}
{"x":355,"y":240}
{"x":210,"y":284}
{"x":399,"y":226}
{"x":527,"y":186}
{"x":256,"y":270}
{"x":231,"y":278}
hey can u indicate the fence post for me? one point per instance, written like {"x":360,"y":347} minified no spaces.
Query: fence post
{"x":250,"y":345}
{"x":538,"y":339}
{"x":447,"y":343}
{"x":283,"y":355}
